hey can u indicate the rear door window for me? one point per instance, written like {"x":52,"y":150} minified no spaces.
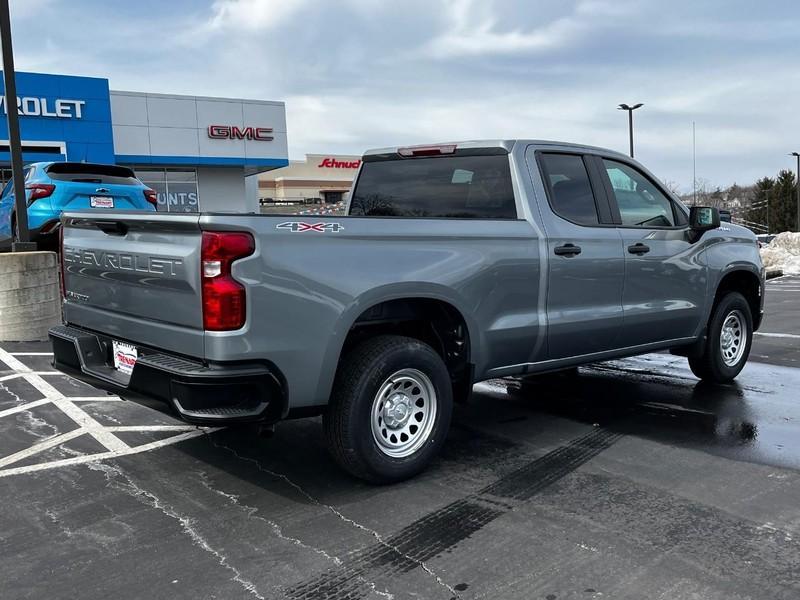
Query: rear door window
{"x":89,"y":173}
{"x":640,"y":202}
{"x":570,"y":193}
{"x":458,"y":187}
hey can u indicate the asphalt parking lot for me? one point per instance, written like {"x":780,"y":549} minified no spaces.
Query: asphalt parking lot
{"x":629,"y":479}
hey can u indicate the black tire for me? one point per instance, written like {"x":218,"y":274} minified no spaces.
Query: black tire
{"x":710,"y":365}
{"x":348,"y":419}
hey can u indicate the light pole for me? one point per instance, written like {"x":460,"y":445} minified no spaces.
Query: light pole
{"x":630,"y":110}
{"x":797,"y":186}
{"x":22,"y":242}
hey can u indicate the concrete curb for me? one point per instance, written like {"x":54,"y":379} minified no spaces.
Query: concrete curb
{"x":30,"y":302}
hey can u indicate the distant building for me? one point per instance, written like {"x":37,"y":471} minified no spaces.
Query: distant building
{"x":323,"y":177}
{"x":197,"y":153}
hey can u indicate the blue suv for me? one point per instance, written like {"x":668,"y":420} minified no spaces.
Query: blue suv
{"x":52,"y":187}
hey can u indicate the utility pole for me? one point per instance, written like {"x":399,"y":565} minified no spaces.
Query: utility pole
{"x":22,"y":241}
{"x":630,"y":110}
{"x":694,"y":164}
{"x":797,"y":187}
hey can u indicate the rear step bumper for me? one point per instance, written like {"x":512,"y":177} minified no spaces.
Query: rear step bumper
{"x":216,"y":393}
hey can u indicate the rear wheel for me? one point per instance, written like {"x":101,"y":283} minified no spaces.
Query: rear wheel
{"x":390,"y":409}
{"x":730,"y":335}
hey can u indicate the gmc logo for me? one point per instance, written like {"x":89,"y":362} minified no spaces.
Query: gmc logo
{"x":232,"y":132}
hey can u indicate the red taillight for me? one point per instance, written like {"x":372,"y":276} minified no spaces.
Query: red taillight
{"x":151,"y":196}
{"x":427,"y":150}
{"x":39,"y":191}
{"x":224,"y":304}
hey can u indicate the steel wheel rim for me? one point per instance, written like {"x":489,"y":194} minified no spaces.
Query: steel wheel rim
{"x":403,"y":413}
{"x":732,"y":338}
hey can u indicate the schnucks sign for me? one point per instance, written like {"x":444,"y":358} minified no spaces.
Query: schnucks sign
{"x":332,"y":163}
{"x":69,"y":117}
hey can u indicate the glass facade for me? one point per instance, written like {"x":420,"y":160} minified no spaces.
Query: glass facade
{"x":176,"y":188}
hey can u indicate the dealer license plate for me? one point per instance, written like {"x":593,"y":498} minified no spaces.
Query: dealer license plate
{"x":125,"y":357}
{"x":101,"y":202}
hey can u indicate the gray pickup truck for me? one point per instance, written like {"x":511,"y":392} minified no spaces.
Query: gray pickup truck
{"x":454,"y":264}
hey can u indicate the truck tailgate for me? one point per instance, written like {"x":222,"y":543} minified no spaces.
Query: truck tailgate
{"x":135,"y":276}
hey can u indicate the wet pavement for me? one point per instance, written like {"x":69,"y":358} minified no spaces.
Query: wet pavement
{"x":627,"y":479}
{"x":778,"y":340}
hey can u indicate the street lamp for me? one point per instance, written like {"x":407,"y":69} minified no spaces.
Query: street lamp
{"x":630,"y":110}
{"x":797,"y":185}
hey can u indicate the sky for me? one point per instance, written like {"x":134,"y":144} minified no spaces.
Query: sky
{"x":357,"y":74}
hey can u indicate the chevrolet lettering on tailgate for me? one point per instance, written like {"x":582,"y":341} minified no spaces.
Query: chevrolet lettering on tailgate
{"x":118,"y":261}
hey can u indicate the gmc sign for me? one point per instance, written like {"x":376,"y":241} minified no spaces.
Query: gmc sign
{"x":232,"y":132}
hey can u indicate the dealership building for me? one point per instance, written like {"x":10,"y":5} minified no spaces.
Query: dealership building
{"x":325,"y":177}
{"x":198,"y":153}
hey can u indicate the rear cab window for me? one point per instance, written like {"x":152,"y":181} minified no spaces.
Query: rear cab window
{"x":457,"y":187}
{"x":569,"y":188}
{"x":90,"y":173}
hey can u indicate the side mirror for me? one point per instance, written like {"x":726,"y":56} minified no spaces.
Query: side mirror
{"x":703,"y":218}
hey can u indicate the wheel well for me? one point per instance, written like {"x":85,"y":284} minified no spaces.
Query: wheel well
{"x":748,"y":285}
{"x":434,"y":322}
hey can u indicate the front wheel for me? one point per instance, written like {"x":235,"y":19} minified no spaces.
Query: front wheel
{"x":730,"y":335}
{"x":390,"y":409}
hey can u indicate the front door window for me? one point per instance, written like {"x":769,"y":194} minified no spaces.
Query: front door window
{"x":640,"y":202}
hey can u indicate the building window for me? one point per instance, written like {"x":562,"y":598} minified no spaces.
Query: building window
{"x":176,"y":188}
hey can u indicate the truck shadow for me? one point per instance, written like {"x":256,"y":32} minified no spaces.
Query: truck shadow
{"x":509,"y":421}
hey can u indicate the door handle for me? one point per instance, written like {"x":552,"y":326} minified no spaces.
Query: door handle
{"x":567,"y":250}
{"x":639,"y":248}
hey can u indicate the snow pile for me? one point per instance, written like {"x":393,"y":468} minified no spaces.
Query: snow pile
{"x":783,"y":253}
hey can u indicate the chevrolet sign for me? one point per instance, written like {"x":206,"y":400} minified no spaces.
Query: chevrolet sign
{"x":44,"y":107}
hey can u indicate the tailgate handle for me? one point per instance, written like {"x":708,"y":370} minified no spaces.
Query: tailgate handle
{"x":112,"y":227}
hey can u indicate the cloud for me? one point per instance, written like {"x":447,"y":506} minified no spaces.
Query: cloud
{"x":252,"y":14}
{"x":367,"y":73}
{"x":475,"y":28}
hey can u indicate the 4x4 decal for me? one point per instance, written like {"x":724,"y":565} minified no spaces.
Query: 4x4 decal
{"x":300,"y":226}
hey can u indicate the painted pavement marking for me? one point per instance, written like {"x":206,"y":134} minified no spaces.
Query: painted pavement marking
{"x":87,"y":425}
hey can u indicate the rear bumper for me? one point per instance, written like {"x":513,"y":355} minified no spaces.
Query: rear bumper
{"x":201,"y":393}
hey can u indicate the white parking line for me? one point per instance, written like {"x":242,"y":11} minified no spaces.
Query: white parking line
{"x":52,"y":442}
{"x":77,"y":460}
{"x":152,"y":428}
{"x":31,"y":353}
{"x":17,"y":375}
{"x":86,"y":423}
{"x":793,"y":336}
{"x":95,"y":399}
{"x":82,"y":418}
{"x":23,"y":407}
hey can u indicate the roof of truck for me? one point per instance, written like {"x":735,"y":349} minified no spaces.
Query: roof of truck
{"x":506,"y":144}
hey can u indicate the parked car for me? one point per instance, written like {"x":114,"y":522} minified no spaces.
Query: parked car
{"x":765,"y":238}
{"x":53,"y":187}
{"x":457,"y":263}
